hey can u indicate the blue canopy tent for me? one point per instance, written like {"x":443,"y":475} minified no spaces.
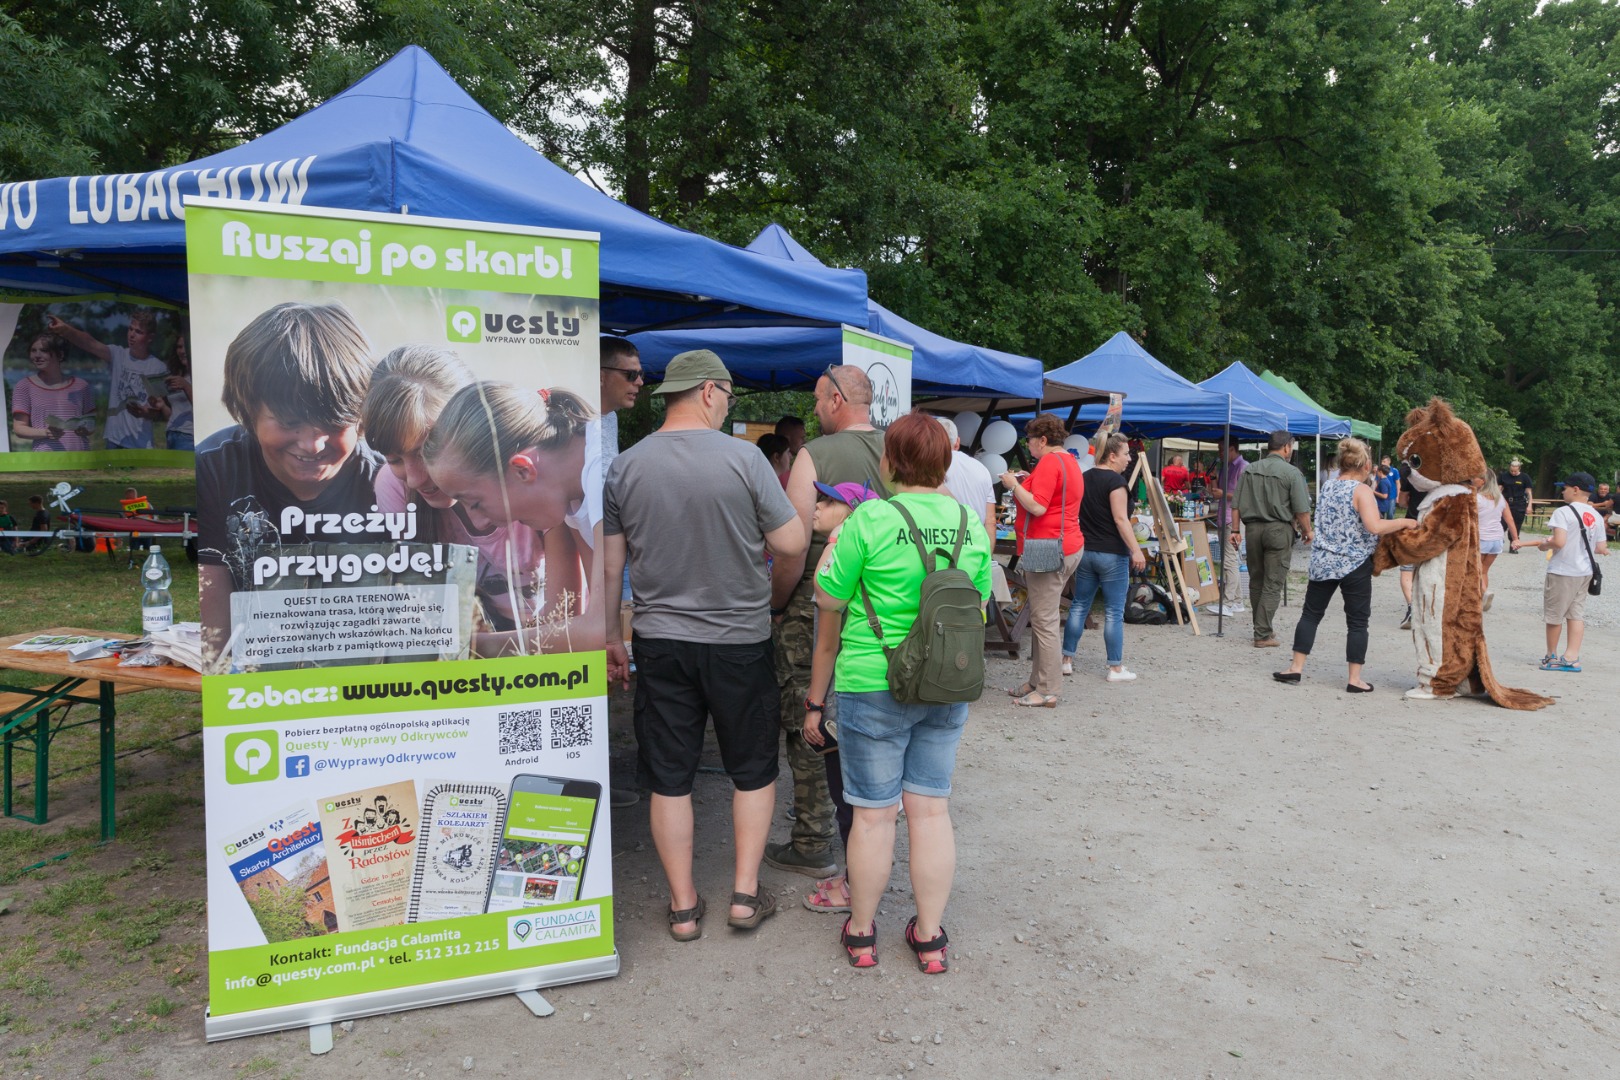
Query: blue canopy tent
{"x":1159,"y":403}
{"x":1248,"y":387}
{"x":779,"y":357}
{"x":406,"y":138}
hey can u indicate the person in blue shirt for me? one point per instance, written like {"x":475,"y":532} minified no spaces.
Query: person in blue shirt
{"x":1386,"y":490}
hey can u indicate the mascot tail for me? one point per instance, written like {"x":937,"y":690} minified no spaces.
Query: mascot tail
{"x":1508,"y":697}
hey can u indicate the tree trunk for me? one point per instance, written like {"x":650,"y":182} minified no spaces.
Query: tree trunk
{"x":643,"y":54}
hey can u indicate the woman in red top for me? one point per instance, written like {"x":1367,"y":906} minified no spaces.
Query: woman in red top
{"x":1048,"y":509}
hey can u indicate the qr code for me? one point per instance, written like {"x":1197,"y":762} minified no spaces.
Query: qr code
{"x":521,"y":731}
{"x":570,"y":726}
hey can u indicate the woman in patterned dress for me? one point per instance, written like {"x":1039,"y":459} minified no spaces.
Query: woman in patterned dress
{"x":1348,"y":526}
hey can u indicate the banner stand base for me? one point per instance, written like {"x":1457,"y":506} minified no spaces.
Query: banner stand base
{"x":317,"y":1014}
{"x":533,"y":1002}
{"x":320,"y":1039}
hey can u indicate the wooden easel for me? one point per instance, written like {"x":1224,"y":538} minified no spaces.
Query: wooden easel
{"x":1171,"y":545}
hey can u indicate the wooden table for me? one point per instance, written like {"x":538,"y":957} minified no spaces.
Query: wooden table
{"x":26,"y":712}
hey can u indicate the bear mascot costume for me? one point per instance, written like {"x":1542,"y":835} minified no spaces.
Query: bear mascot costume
{"x":1443,"y":460}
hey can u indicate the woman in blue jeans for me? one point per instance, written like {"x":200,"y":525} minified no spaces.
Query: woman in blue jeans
{"x":1111,"y":553}
{"x":894,"y":752}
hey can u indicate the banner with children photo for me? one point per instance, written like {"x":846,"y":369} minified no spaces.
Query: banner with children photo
{"x":404,"y":711}
{"x":92,"y":382}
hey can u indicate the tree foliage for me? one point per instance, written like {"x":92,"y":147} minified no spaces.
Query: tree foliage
{"x":1382,"y":199}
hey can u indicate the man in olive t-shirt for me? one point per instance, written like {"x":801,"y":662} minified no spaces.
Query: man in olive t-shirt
{"x":847,"y":454}
{"x":1271,"y":501}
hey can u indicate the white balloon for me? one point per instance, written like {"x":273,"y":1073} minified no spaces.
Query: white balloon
{"x":994,"y":462}
{"x":1076,"y":442}
{"x":967,"y":426}
{"x":998,"y":437}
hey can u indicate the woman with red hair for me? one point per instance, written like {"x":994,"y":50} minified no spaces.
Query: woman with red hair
{"x":891,"y":752}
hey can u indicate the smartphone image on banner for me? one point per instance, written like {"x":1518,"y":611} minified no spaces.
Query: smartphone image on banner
{"x":544,"y":843}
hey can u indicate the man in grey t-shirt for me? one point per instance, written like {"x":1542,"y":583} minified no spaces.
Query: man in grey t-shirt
{"x":696,"y":511}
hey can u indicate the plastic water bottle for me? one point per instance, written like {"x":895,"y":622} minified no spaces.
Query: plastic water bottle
{"x":157,"y":607}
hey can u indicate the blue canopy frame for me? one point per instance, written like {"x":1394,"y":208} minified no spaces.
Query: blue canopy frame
{"x":1159,"y":403}
{"x":783,"y":357}
{"x":404,"y":139}
{"x":1251,"y":389}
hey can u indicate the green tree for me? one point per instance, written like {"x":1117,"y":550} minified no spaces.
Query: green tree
{"x":1543,"y":184}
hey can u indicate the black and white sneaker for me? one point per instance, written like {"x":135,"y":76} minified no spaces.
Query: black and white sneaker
{"x":1406,"y":623}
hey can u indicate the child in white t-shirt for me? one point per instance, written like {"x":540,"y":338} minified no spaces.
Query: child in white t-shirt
{"x":129,"y":399}
{"x":1570,"y":569}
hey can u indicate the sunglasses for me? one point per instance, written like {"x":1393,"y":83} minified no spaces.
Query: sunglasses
{"x":631,"y":375}
{"x":731,"y":399}
{"x":834,"y":380}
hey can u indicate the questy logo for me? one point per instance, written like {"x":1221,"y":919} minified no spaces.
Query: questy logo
{"x":463,"y":324}
{"x":252,"y":756}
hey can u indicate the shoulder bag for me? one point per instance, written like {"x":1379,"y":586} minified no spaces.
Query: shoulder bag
{"x":1595,"y":586}
{"x":1046,"y":556}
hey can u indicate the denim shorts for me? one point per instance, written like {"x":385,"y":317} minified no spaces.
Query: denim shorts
{"x":885,"y":747}
{"x":1490,"y":547}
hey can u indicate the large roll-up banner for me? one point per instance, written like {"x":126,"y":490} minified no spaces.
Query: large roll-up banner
{"x":404,"y":712}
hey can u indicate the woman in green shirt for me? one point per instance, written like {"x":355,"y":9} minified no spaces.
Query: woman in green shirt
{"x":892,"y":752}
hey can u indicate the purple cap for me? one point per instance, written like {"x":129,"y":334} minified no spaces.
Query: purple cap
{"x":850,"y":494}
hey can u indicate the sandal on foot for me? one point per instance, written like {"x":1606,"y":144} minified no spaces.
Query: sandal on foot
{"x":938,"y":944}
{"x":762,"y":903}
{"x":826,"y":898}
{"x":1033,"y":700}
{"x":851,"y":942}
{"x":1021,"y":691}
{"x":693,"y":914}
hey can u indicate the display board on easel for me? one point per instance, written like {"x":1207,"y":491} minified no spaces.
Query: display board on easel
{"x":1172,"y":547}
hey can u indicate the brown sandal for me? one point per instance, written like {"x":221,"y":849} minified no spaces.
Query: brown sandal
{"x":762,"y":903}
{"x":1021,"y":691}
{"x":692,"y":914}
{"x":1032,"y":700}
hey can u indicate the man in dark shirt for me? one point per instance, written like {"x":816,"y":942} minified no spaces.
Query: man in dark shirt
{"x":1516,"y":490}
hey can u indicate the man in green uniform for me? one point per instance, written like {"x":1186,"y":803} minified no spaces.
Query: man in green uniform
{"x":847,"y":452}
{"x":1271,"y":502}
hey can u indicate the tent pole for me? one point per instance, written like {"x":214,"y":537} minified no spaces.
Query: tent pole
{"x":1222,"y":527}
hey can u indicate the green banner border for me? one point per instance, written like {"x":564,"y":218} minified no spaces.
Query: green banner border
{"x":385,"y":689}
{"x":33,"y":461}
{"x":876,"y":344}
{"x":390,"y":958}
{"x":473,"y":245}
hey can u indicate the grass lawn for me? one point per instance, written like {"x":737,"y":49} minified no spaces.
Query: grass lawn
{"x":104,"y":948}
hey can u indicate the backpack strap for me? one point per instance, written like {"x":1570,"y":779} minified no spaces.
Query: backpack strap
{"x":916,"y":537}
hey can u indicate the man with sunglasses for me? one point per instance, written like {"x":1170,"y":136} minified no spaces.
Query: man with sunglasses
{"x":846,"y":453}
{"x":622,"y":379}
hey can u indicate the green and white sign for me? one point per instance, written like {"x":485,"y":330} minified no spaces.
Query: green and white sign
{"x":888,"y":364}
{"x":404,"y":705}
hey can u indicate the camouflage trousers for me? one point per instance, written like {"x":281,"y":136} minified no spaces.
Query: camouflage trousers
{"x":815,"y":826}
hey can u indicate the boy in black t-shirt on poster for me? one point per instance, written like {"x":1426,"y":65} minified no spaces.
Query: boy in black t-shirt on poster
{"x":295,"y":379}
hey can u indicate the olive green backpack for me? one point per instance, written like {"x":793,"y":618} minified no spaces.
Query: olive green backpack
{"x":940,"y":661}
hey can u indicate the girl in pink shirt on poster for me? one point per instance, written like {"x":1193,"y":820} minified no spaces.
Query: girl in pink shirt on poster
{"x":45,"y":397}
